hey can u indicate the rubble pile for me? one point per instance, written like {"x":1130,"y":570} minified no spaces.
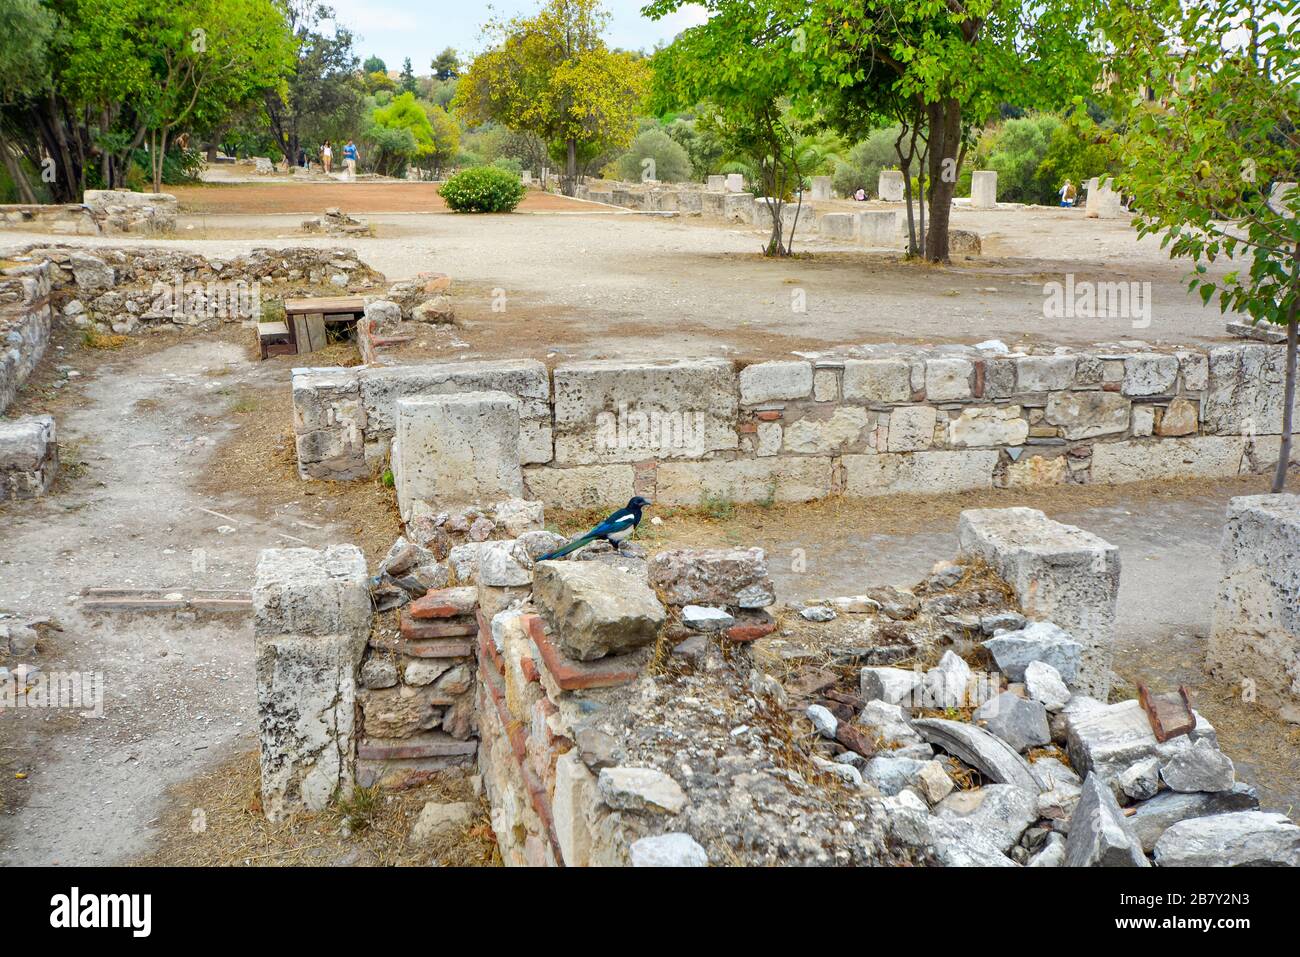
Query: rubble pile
{"x":335,"y":222}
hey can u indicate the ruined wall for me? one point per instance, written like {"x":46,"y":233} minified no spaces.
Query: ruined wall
{"x":112,"y":211}
{"x":886,"y":420}
{"x":122,"y":289}
{"x":24,"y":324}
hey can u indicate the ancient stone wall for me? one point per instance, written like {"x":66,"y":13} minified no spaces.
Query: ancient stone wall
{"x":883,"y":420}
{"x":25,"y":319}
{"x":109,"y":211}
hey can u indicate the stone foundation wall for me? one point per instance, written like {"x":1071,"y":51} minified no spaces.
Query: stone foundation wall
{"x":120,"y":290}
{"x":25,"y":319}
{"x":111,"y":211}
{"x":882,"y":421}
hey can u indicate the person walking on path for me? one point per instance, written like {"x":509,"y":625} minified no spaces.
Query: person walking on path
{"x":1068,"y":194}
{"x":350,"y":160}
{"x":326,"y":157}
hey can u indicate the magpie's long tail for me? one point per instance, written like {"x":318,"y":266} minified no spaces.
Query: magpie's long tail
{"x":573,"y":546}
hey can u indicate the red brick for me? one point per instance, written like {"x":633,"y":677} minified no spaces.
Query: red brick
{"x":768,"y":415}
{"x":434,"y":648}
{"x":573,"y":675}
{"x":747,"y":428}
{"x":978,"y":391}
{"x":415,"y":630}
{"x":529,"y":668}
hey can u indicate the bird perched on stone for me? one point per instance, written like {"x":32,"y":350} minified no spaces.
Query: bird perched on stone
{"x":615,"y":529}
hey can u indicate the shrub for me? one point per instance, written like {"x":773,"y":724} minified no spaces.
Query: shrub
{"x":483,"y":189}
{"x":656,"y":153}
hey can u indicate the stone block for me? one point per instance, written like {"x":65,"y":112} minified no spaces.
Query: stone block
{"x":617,"y":411}
{"x":1086,"y":415}
{"x":984,"y":189}
{"x":825,"y":430}
{"x":733,"y":577}
{"x":1238,"y":839}
{"x":738,"y":207}
{"x":990,"y":426}
{"x":911,"y":428}
{"x":878,"y":228}
{"x":29,"y":457}
{"x":1150,"y":373}
{"x":581,"y":486}
{"x":780,"y":478}
{"x":770,"y":381}
{"x":594,"y":609}
{"x":1060,"y":573}
{"x":841,"y":227}
{"x":1045,"y":373}
{"x":1255,"y":635}
{"x":923,"y":473}
{"x":311,"y":620}
{"x":1245,"y":391}
{"x":877,"y":380}
{"x":890,"y":186}
{"x":1205,"y":456}
{"x":948,"y":379}
{"x":457,"y":449}
{"x":821,"y":188}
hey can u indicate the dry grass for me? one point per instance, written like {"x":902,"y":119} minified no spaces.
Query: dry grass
{"x":93,"y":339}
{"x":216,"y":820}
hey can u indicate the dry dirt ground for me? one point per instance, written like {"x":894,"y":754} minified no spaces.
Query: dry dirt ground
{"x":178,"y":470}
{"x":621,"y":284}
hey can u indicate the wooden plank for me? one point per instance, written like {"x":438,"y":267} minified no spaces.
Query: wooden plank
{"x":354,"y":304}
{"x":272,"y":329}
{"x":341,"y":317}
{"x":316,"y":331}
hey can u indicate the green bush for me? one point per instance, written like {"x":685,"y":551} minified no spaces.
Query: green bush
{"x":865,"y":161}
{"x":654,"y":151}
{"x":483,"y":189}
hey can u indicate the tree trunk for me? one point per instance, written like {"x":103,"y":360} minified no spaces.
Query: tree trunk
{"x":1284,"y":453}
{"x":15,"y":170}
{"x":945,"y":141}
{"x":571,"y":168}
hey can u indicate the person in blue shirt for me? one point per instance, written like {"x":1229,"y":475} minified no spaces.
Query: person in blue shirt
{"x":350,"y":158}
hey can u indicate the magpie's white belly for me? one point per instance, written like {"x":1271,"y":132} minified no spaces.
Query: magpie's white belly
{"x":621,"y":534}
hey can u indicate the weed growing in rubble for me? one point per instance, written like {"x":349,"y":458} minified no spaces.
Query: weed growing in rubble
{"x":93,"y":339}
{"x":718,"y":507}
{"x":360,"y":807}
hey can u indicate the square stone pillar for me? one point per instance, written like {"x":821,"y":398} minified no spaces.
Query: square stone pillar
{"x":1255,"y":638}
{"x":716,"y":183}
{"x":457,"y":449}
{"x":735,"y":183}
{"x":821,"y":188}
{"x":984,"y":189}
{"x":1060,"y":574}
{"x":890,"y":187}
{"x":311,"y":622}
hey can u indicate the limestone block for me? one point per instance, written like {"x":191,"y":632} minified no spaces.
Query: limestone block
{"x":819,"y":433}
{"x":1104,"y":201}
{"x":738,"y":207}
{"x":1245,"y":390}
{"x":1060,"y":573}
{"x":924,"y":473}
{"x":713,"y":576}
{"x":329,"y":424}
{"x":736,"y":182}
{"x":890,"y":187}
{"x":715,"y":183}
{"x":1086,"y":415}
{"x":911,"y":428}
{"x":879,"y":228}
{"x":1255,"y":635}
{"x":1180,"y":418}
{"x":581,"y":486}
{"x":1036,"y":471}
{"x":989,"y":426}
{"x":1150,"y":374}
{"x":457,"y":449}
{"x":575,"y":794}
{"x":826,"y":385}
{"x":793,"y":216}
{"x":984,"y":189}
{"x":877,"y":380}
{"x":619,"y":411}
{"x":947,"y":379}
{"x":311,"y":622}
{"x":1206,"y":456}
{"x":29,"y":457}
{"x":525,"y":379}
{"x":595,"y":609}
{"x":838,"y":226}
{"x":1045,"y":373}
{"x":821,"y":188}
{"x":780,"y":478}
{"x":770,"y":381}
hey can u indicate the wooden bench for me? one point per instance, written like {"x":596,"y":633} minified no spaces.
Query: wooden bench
{"x":306,"y":323}
{"x":274,"y":339}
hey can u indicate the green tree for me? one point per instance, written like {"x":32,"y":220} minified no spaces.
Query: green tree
{"x":28,"y":29}
{"x":406,"y":79}
{"x":446,"y":136}
{"x":1217,"y":128}
{"x":446,"y":65}
{"x":654,"y":155}
{"x":552,"y":75}
{"x":400,"y":134}
{"x":374,"y":64}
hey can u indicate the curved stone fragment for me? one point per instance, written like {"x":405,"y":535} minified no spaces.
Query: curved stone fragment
{"x":987,"y":753}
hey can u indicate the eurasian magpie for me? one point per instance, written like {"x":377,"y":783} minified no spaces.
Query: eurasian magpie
{"x":613,"y":529}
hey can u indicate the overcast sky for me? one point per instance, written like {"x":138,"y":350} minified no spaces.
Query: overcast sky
{"x":420,"y":29}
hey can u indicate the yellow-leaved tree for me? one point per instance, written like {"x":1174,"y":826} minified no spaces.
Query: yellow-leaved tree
{"x":552,"y":74}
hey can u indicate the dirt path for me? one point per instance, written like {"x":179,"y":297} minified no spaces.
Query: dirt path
{"x":145,"y":429}
{"x":361,"y":197}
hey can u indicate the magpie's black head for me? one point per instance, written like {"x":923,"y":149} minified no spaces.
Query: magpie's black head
{"x":638,"y":502}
